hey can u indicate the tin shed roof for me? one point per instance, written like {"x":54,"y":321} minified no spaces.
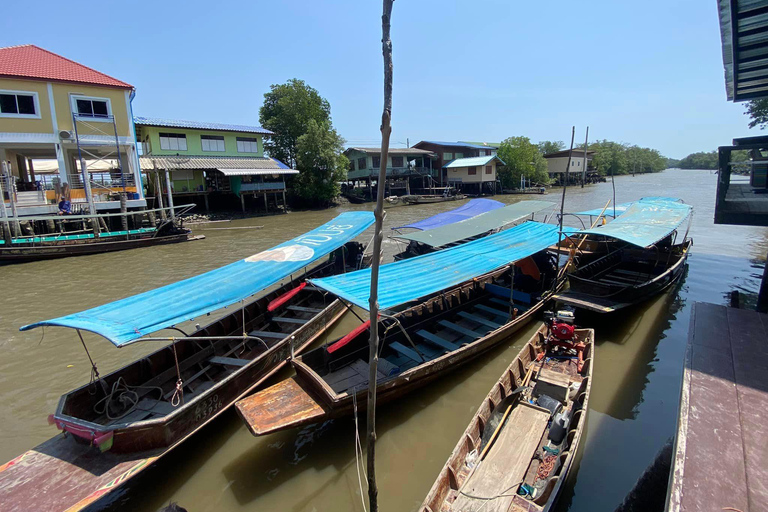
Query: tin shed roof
{"x":472,"y":162}
{"x":32,"y":62}
{"x":182,"y":162}
{"x":177,"y":123}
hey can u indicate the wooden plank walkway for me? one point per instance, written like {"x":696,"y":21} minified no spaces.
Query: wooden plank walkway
{"x":721,"y":449}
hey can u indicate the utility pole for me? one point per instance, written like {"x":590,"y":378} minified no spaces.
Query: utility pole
{"x":373,"y":358}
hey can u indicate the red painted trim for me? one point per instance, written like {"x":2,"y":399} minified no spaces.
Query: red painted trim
{"x":346,"y":339}
{"x":285,"y":297}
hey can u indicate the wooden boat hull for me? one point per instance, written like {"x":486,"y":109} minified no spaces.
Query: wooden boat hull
{"x":51,"y":250}
{"x":456,"y":473}
{"x":593,"y":295}
{"x":421,"y":199}
{"x":307,"y":398}
{"x":163,"y":432}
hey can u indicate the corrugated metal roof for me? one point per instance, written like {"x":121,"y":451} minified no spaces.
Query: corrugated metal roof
{"x":255,"y":172}
{"x":181,"y":162}
{"x":392,"y":151}
{"x":472,"y":161}
{"x":744,"y":35}
{"x":577,"y":152}
{"x":490,"y":145}
{"x":30,"y":61}
{"x":176,"y":123}
{"x":454,"y":144}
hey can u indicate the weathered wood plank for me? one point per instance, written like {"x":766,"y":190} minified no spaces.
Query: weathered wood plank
{"x":505,"y":464}
{"x":278,"y":407}
{"x":437,"y":340}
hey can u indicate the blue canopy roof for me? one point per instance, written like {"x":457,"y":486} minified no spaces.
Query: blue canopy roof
{"x":131,"y":318}
{"x":407,"y":280}
{"x":471,"y":209}
{"x":645,"y":222}
{"x":476,"y":226}
{"x":621,"y":208}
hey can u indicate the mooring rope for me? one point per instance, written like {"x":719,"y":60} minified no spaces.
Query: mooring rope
{"x":178,"y":394}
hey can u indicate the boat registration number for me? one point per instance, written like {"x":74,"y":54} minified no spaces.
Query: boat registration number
{"x":209,"y":406}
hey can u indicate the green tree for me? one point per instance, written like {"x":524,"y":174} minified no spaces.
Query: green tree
{"x":550,"y":146}
{"x":521,"y":158}
{"x":287,"y":110}
{"x":758,"y":111}
{"x":610,"y":157}
{"x":700,"y":160}
{"x":321,"y":164}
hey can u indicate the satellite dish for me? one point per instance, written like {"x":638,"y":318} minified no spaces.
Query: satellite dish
{"x":64,"y":134}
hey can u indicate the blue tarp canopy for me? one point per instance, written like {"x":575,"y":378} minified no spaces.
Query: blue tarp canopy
{"x":471,"y":209}
{"x":407,"y":280}
{"x":621,"y":208}
{"x":645,"y":222}
{"x":476,"y":226}
{"x":131,"y":318}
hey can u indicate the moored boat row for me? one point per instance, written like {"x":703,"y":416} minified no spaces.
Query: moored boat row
{"x":439,"y":310}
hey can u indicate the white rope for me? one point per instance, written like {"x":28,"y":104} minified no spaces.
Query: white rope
{"x":358,"y":452}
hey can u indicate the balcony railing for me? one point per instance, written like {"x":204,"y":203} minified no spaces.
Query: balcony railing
{"x":261,"y":187}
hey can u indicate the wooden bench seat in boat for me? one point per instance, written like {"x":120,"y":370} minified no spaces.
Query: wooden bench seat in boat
{"x":351,"y":376}
{"x":405,"y":351}
{"x":505,"y":464}
{"x":229,"y":361}
{"x":437,"y":340}
{"x":493,"y":311}
{"x":503,"y":292}
{"x":505,"y":303}
{"x":479,"y":319}
{"x":268,"y":334}
{"x":304,"y":309}
{"x":459,"y":329}
{"x":287,"y":320}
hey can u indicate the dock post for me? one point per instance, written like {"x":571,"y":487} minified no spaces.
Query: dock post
{"x":762,"y":296}
{"x":205,"y":197}
{"x":170,"y":194}
{"x":266,"y":203}
{"x":11,"y":186}
{"x":4,"y":223}
{"x":124,"y":211}
{"x":285,"y":206}
{"x":89,"y":197}
{"x":242,"y":201}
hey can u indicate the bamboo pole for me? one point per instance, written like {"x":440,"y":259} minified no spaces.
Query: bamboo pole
{"x":373,"y":358}
{"x":565,"y":186}
{"x":584,"y":162}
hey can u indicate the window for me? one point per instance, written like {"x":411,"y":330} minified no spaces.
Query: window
{"x":472,"y":171}
{"x":212,"y":142}
{"x":19,"y":104}
{"x":362,"y":164}
{"x":173,"y":141}
{"x":397,"y":161}
{"x":459,"y":155}
{"x":86,"y":106}
{"x":488,"y":169}
{"x":351,"y":165}
{"x":447,"y":156}
{"x":376,"y":161}
{"x":247,"y":145}
{"x":578,"y":164}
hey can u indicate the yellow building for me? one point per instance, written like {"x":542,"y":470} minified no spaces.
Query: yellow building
{"x":54,"y":108}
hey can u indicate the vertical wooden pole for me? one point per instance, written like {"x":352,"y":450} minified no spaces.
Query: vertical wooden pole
{"x":5,"y":226}
{"x":170,"y":194}
{"x":565,"y":185}
{"x":584,"y":162}
{"x":373,"y":358}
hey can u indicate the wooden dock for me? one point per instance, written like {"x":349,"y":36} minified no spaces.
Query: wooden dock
{"x":721,"y":450}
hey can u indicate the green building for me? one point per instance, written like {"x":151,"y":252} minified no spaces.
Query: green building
{"x":220,"y":165}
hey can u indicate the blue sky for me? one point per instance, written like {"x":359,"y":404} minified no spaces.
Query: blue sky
{"x":648,"y":73}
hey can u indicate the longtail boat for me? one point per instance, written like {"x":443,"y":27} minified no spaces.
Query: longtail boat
{"x":439,"y":311}
{"x":451,"y":230}
{"x":60,"y":245}
{"x":646,"y":257}
{"x":121,"y":422}
{"x":518,"y":448}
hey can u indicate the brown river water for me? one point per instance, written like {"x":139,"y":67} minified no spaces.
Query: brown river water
{"x":633,"y":408}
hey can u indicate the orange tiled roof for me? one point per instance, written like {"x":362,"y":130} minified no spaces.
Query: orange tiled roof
{"x":30,"y":61}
